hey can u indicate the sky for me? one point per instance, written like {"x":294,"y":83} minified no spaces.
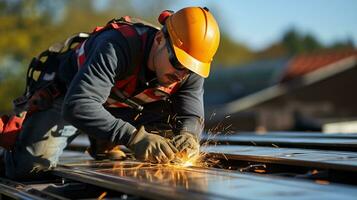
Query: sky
{"x":259,"y":23}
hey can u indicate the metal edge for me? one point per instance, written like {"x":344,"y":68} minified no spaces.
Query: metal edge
{"x":127,"y":186}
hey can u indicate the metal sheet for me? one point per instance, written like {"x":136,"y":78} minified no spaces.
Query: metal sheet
{"x":13,"y":190}
{"x":288,"y":139}
{"x":300,"y":134}
{"x":340,"y":160}
{"x":325,"y":143}
{"x":169,"y":182}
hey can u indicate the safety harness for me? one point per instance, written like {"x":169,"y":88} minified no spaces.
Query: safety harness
{"x":124,"y":93}
{"x":43,"y":85}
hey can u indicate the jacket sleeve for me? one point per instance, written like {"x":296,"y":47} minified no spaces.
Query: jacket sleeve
{"x":90,"y":88}
{"x":188,"y":105}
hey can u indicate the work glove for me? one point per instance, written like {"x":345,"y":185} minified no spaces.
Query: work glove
{"x":151,"y":147}
{"x":187,"y":144}
{"x":102,"y":149}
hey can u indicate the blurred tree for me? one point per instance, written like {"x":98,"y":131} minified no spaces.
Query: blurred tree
{"x":292,"y":42}
{"x":310,"y":43}
{"x":10,"y":88}
{"x":276,"y":50}
{"x":231,"y":53}
{"x":348,"y":43}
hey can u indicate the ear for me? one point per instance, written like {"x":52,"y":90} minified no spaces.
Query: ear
{"x":159,"y":39}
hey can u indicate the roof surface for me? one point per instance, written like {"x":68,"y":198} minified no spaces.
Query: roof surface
{"x":306,"y":63}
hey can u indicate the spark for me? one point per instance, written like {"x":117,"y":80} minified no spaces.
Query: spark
{"x":215,"y":129}
{"x":185,"y":160}
{"x":156,"y":132}
{"x":227,"y":127}
{"x":200,"y":160}
{"x":225,"y":157}
{"x":260,"y":170}
{"x":168,"y":119}
{"x":137,"y":116}
{"x":212,"y":115}
{"x":322,"y":182}
{"x":116,"y":153}
{"x":102,"y":196}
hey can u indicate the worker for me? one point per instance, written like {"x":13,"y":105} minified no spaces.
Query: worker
{"x":121,"y":85}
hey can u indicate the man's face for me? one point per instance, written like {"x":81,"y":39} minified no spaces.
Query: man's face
{"x":166,"y":73}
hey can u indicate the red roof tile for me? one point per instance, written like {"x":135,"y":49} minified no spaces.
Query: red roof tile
{"x":306,"y":63}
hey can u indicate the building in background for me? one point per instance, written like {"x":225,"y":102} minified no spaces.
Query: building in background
{"x":301,"y":93}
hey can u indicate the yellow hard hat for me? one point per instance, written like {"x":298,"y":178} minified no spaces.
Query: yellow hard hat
{"x":194,"y":36}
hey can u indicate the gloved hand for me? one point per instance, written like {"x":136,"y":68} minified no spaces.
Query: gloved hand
{"x":187,"y":144}
{"x":151,"y":147}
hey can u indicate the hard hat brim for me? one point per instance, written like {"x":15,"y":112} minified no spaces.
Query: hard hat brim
{"x":191,"y":63}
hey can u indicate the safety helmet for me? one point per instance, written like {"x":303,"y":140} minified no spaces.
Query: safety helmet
{"x":194,"y":36}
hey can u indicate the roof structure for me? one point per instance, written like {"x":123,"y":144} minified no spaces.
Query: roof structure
{"x":300,"y":71}
{"x":303,"y":64}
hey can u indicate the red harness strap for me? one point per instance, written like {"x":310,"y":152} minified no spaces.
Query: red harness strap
{"x":10,"y":126}
{"x":127,"y":87}
{"x":125,"y":29}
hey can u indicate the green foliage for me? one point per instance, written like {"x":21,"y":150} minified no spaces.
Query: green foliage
{"x":276,"y":50}
{"x":343,"y":44}
{"x":232,"y":53}
{"x":293,"y":42}
{"x":296,"y":43}
{"x":10,"y":88}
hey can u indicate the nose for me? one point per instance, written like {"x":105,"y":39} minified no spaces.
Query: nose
{"x":182,"y":73}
